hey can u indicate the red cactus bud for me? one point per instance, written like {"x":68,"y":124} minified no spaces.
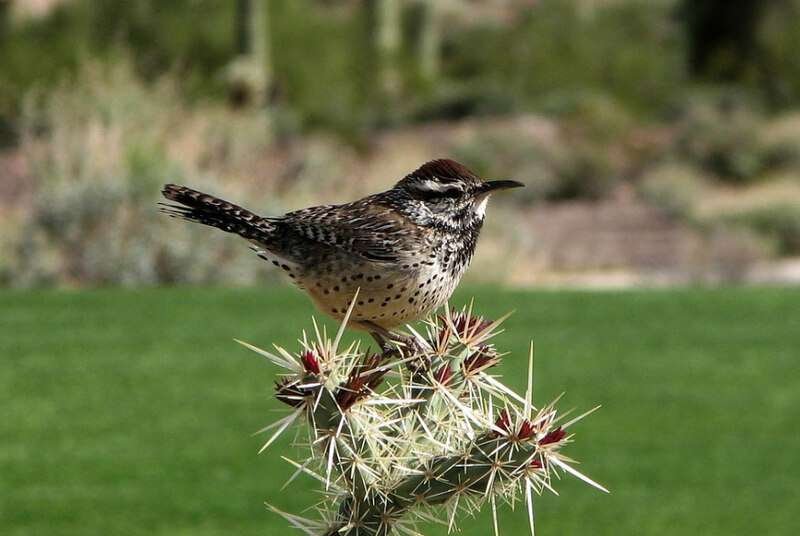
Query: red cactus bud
{"x":470,"y":325}
{"x":350,"y":392}
{"x":363,"y":379}
{"x":553,"y":436}
{"x":479,"y":360}
{"x":443,"y":375}
{"x":310,"y":362}
{"x":503,"y":421}
{"x":443,"y":333}
{"x":526,"y":430}
{"x":374,"y":375}
{"x":537,"y":464}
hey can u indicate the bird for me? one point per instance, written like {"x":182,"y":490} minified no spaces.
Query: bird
{"x":400,"y":253}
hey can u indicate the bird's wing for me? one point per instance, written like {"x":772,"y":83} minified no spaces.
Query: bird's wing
{"x":371,"y":230}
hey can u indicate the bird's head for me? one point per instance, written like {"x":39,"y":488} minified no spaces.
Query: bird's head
{"x":446,"y":193}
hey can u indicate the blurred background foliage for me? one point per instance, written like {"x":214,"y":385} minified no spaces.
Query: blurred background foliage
{"x":674,"y":124}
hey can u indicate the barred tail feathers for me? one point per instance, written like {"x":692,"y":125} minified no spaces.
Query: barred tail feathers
{"x":215,"y":212}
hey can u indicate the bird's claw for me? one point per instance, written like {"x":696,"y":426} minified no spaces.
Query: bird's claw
{"x":398,"y":346}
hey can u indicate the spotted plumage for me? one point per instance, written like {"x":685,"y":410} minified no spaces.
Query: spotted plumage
{"x":404,"y":249}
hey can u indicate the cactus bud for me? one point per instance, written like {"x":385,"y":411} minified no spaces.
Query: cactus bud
{"x":310,"y":362}
{"x":443,"y":375}
{"x":526,"y":430}
{"x":554,"y":436}
{"x":503,"y":421}
{"x":482,"y":359}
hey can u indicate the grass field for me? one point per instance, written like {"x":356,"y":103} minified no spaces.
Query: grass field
{"x":130,"y":412}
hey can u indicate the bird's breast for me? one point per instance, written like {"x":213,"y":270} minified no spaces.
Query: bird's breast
{"x":388,"y":294}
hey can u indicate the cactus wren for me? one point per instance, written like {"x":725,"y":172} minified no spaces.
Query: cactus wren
{"x":405,"y":249}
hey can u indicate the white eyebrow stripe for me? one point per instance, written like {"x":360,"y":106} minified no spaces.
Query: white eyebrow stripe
{"x":436,"y":186}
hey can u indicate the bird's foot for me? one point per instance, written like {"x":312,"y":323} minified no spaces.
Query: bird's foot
{"x":395,"y":344}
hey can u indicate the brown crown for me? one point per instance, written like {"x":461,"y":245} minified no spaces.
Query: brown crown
{"x":444,"y":168}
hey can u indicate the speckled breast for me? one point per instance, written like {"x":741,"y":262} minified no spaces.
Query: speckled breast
{"x":388,"y":295}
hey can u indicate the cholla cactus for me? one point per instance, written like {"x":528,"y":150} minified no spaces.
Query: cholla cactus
{"x":423,"y":433}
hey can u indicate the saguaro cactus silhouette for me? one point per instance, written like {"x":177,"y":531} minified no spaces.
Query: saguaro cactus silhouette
{"x":250,"y":73}
{"x":429,"y":47}
{"x":423,"y":433}
{"x":385,"y":37}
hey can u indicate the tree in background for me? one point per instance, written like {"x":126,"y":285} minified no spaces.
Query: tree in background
{"x":745,"y":41}
{"x":722,"y":37}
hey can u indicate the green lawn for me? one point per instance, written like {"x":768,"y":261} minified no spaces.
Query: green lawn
{"x":131,"y":412}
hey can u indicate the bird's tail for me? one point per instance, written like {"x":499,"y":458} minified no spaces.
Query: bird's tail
{"x":215,"y":212}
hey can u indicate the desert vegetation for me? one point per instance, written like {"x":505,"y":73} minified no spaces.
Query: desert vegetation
{"x":96,"y":111}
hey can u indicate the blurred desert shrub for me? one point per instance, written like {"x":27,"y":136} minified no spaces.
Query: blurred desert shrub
{"x":38,"y":53}
{"x":455,"y":101}
{"x":730,"y":253}
{"x":726,"y":135}
{"x":490,"y":153}
{"x":778,"y":222}
{"x":316,"y":49}
{"x":580,"y":156}
{"x":719,"y":133}
{"x":98,"y":149}
{"x":594,"y":158}
{"x":674,"y":187}
{"x":777,"y":70}
{"x":557,"y":50}
{"x":782,"y":136}
{"x":552,"y":172}
{"x":541,"y":58}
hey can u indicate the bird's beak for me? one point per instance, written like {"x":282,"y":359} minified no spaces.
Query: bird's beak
{"x":493,"y":186}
